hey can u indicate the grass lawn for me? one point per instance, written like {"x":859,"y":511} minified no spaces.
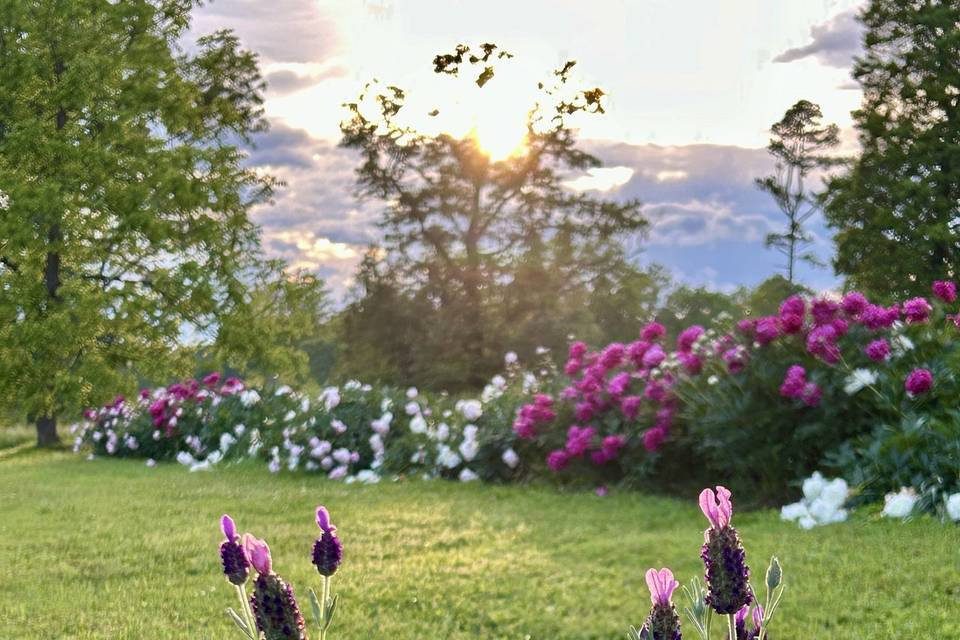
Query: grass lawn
{"x":113,"y":549}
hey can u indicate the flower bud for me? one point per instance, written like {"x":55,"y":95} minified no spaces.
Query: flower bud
{"x":774,"y":574}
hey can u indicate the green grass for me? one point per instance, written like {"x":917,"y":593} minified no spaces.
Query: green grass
{"x":112,"y":549}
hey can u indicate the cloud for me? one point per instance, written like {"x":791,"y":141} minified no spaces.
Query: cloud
{"x":279,"y":30}
{"x":833,"y":43}
{"x":695,"y":222}
{"x":286,"y":81}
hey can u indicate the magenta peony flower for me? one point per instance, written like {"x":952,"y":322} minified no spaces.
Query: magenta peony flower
{"x":767,"y":330}
{"x":875,"y":317}
{"x":636,"y":350}
{"x":653,"y":331}
{"x":823,"y":311}
{"x":853,"y":304}
{"x":793,"y":306}
{"x":653,"y":438}
{"x":688,"y":337}
{"x":691,"y":363}
{"x":822,"y":343}
{"x":654,"y":356}
{"x":618,"y":384}
{"x":579,"y":439}
{"x":811,"y":394}
{"x":917,"y":310}
{"x":612,"y":356}
{"x":878,"y":350}
{"x":791,"y":323}
{"x":736,"y":359}
{"x":558,"y":460}
{"x":919,"y":382}
{"x":572,"y":367}
{"x":747,"y":327}
{"x":211,"y":379}
{"x":578,"y":350}
{"x":583,"y":411}
{"x":630,"y":406}
{"x":946,"y":290}
{"x":794,"y":382}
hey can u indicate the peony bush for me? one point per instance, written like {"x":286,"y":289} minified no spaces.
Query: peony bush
{"x":354,"y":432}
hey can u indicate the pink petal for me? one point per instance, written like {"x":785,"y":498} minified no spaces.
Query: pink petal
{"x":228,"y":528}
{"x":653,"y":585}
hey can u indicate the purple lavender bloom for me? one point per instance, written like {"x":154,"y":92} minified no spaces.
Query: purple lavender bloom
{"x":235,"y":565}
{"x":275,"y":609}
{"x":663,"y":623}
{"x":741,"y":623}
{"x":327,"y":550}
{"x":723,"y":555}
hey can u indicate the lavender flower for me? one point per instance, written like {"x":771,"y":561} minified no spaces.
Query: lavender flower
{"x":723,"y":555}
{"x":235,"y":565}
{"x":741,"y":623}
{"x":663,"y":623}
{"x":275,"y":609}
{"x":327,"y":550}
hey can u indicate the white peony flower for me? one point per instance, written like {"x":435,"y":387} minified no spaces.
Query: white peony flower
{"x":338,"y":473}
{"x":411,"y":408}
{"x":274,"y":466}
{"x":443,"y":431}
{"x":338,"y":426}
{"x":447,"y":457}
{"x":342,"y":456}
{"x":185,"y":459}
{"x":807,"y":522}
{"x":510,"y":358}
{"x":330,"y":398}
{"x":467,"y":476}
{"x":469,"y":449}
{"x":311,"y":466}
{"x":953,"y":507}
{"x":835,"y":493}
{"x":239,"y":430}
{"x":510,"y":458}
{"x":249,"y":397}
{"x":858,"y":379}
{"x":412,"y":393}
{"x":382,"y":424}
{"x":901,"y":504}
{"x":418,"y":424}
{"x":813,"y":486}
{"x":226,"y":441}
{"x":290,"y":415}
{"x":900,"y":344}
{"x":367,"y":477}
{"x":283,"y":390}
{"x":471,"y":409}
{"x":151,"y":462}
{"x":793,"y":512}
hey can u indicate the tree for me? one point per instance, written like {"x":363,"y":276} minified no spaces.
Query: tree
{"x":460,"y":227}
{"x":289,"y":308}
{"x":125,"y":212}
{"x":895,"y":209}
{"x":797,"y":147}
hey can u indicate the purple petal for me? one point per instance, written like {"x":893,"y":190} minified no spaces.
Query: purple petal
{"x":323,"y":520}
{"x":228,"y":528}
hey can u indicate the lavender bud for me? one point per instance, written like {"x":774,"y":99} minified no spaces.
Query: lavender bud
{"x":327,"y":553}
{"x":727,"y":573}
{"x":663,"y":623}
{"x":235,"y":565}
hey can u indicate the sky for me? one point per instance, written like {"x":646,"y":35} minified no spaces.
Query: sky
{"x":693,"y":87}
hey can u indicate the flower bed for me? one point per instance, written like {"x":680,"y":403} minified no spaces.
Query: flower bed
{"x":354,"y":432}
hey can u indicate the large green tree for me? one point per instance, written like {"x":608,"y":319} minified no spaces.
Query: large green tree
{"x":895,"y":211}
{"x":797,"y":147}
{"x":467,"y":236}
{"x":125,"y":215}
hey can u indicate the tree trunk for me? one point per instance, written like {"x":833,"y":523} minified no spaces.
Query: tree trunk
{"x":47,"y":431}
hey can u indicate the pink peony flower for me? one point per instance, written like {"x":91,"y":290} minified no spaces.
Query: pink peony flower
{"x":791,"y":323}
{"x":876,"y":317}
{"x":747,"y":327}
{"x":822,"y":343}
{"x":654,"y":356}
{"x":630,"y":406}
{"x":558,"y":460}
{"x":878,"y":350}
{"x":919,"y":382}
{"x":946,"y":290}
{"x":823,"y":311}
{"x":794,"y":306}
{"x":653,"y":331}
{"x":211,"y":379}
{"x":688,"y":337}
{"x":579,"y":439}
{"x":691,"y":363}
{"x":794,"y":382}
{"x":766,"y":330}
{"x":653,"y":438}
{"x":853,"y":304}
{"x":618,"y":384}
{"x":572,"y":367}
{"x":736,"y":359}
{"x":578,"y":350}
{"x":811,"y":394}
{"x":917,"y":310}
{"x":612,"y":356}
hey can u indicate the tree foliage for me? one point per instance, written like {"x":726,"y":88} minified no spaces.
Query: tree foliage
{"x":466,"y":235}
{"x":797,"y":147}
{"x":124,"y":218}
{"x":895,"y":210}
